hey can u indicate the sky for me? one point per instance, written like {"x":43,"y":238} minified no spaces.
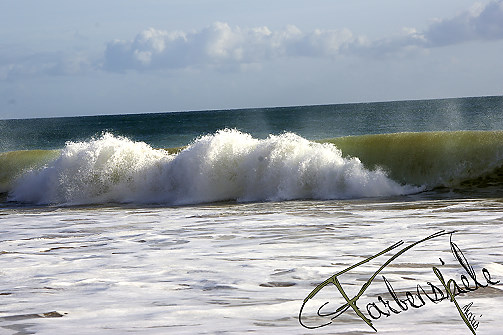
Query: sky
{"x":71,"y":58}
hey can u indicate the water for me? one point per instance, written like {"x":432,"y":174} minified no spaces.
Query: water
{"x":312,"y":122}
{"x":108,"y":235}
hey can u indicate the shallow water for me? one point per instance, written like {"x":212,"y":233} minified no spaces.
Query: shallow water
{"x":236,"y":268}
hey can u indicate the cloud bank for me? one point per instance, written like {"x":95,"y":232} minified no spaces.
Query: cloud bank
{"x":479,"y":23}
{"x":43,"y":63}
{"x":221,"y":44}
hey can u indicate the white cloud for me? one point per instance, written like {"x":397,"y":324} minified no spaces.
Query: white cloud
{"x":224,"y":46}
{"x":221,"y":44}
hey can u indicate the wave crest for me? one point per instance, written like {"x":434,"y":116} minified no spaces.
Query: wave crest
{"x":227,"y":165}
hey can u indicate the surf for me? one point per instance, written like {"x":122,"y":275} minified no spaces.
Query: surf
{"x":230,"y":165}
{"x":226,"y":166}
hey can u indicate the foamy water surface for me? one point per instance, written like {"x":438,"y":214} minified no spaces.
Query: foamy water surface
{"x":237,"y":268}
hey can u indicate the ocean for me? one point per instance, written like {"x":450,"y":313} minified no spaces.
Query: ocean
{"x":332,"y":219}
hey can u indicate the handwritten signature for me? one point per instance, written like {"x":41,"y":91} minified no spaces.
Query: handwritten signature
{"x":448,"y":289}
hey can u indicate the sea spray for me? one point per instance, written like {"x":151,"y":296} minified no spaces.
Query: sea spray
{"x":225,"y":166}
{"x":107,"y":169}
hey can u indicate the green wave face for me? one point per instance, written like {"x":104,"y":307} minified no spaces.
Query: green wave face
{"x":15,"y":163}
{"x":429,"y":158}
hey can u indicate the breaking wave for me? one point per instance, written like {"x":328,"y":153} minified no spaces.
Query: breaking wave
{"x":225,"y":166}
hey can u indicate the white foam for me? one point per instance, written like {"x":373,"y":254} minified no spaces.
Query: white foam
{"x":228,"y":165}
